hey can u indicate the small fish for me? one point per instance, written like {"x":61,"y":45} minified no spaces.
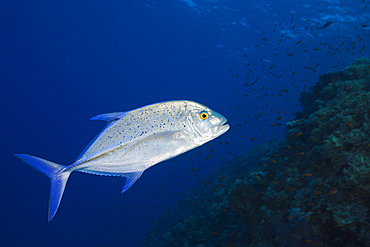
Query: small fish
{"x":328,"y":23}
{"x":307,"y":174}
{"x":133,"y":141}
{"x":288,"y":146}
{"x":332,"y":192}
{"x":298,"y":134}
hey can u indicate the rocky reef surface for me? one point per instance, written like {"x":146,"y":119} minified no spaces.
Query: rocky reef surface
{"x":311,"y":188}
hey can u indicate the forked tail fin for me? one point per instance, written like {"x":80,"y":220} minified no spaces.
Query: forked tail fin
{"x":58,"y":179}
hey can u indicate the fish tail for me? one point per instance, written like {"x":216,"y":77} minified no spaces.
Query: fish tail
{"x":58,"y":179}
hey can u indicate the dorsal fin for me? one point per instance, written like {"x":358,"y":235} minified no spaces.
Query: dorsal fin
{"x":109,"y":117}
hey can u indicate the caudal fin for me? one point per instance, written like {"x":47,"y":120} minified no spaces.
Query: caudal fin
{"x":58,"y":179}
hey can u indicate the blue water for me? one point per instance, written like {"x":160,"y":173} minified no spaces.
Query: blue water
{"x":65,"y":62}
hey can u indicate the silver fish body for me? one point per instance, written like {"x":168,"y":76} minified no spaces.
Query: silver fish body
{"x":133,"y":141}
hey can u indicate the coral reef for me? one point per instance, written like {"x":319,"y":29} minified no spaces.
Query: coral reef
{"x":310,"y":189}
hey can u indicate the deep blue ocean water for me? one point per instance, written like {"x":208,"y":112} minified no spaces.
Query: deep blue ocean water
{"x":65,"y":62}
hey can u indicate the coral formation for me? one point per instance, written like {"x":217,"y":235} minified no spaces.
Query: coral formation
{"x":310,"y":189}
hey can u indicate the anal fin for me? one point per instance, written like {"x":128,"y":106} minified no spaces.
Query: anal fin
{"x":131,"y":179}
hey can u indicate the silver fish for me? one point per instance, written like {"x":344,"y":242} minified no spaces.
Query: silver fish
{"x":133,"y":141}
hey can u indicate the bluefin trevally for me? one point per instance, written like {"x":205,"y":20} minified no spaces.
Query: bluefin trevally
{"x":133,"y":141}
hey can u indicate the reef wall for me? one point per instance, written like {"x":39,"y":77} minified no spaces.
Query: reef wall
{"x":310,"y":189}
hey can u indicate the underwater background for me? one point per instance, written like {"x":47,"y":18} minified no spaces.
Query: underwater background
{"x":291,"y":77}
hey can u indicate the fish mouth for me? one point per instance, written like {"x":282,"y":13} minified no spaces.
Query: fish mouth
{"x":221,"y":128}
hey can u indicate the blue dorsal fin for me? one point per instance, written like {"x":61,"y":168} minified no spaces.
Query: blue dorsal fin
{"x":131,"y":179}
{"x":109,"y":117}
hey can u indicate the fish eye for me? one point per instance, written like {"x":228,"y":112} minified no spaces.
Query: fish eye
{"x":203,"y":115}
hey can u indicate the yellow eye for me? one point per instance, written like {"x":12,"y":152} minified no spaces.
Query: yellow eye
{"x":203,"y":115}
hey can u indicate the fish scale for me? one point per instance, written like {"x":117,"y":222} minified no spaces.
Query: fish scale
{"x":134,"y":125}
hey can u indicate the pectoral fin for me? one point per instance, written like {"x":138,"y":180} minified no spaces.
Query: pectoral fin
{"x":131,"y":179}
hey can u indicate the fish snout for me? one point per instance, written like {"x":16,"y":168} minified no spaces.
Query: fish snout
{"x":221,"y":127}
